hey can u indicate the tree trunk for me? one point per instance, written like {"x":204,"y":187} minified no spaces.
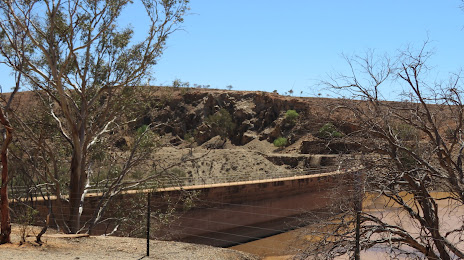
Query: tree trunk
{"x":5,"y":221}
{"x":74,"y":192}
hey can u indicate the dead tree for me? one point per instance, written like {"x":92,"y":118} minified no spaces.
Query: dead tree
{"x":412,"y":156}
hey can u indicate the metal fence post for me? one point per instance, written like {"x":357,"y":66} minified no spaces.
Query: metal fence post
{"x":148,"y":223}
{"x":358,"y":208}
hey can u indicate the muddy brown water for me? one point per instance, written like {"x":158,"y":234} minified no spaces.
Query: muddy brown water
{"x":289,"y":244}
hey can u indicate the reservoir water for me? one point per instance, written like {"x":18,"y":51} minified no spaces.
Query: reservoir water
{"x":289,"y":244}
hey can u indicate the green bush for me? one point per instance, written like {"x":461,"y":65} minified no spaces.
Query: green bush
{"x":280,"y":142}
{"x":329,"y":131}
{"x":145,"y":137}
{"x":141,"y":130}
{"x":405,"y":132}
{"x":221,"y":122}
{"x":291,"y":115}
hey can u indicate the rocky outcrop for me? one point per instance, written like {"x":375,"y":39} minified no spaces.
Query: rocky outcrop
{"x":255,"y":114}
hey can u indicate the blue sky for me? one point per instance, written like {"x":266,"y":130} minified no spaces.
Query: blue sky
{"x":281,"y":45}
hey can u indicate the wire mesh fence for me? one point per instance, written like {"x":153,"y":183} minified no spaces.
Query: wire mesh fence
{"x":167,"y":181}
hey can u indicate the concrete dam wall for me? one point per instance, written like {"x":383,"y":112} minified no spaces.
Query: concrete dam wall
{"x":227,"y":214}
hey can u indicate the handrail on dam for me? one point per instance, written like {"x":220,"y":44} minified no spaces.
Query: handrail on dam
{"x":166,"y":181}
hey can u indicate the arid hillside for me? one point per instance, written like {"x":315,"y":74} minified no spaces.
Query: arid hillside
{"x":232,"y":132}
{"x":222,"y":135}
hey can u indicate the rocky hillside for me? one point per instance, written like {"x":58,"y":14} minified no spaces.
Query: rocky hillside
{"x":221,"y":135}
{"x":231,"y":133}
{"x":184,"y":113}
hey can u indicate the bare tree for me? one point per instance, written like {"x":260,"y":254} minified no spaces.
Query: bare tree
{"x":413,"y":153}
{"x":86,"y":67}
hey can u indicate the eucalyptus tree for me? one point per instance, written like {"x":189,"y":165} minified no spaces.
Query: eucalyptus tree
{"x":85,"y":66}
{"x":17,"y":60}
{"x":5,"y":221}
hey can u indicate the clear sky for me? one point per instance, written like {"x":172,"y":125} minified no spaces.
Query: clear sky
{"x":281,"y":45}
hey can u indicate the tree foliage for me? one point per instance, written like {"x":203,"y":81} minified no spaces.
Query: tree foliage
{"x":291,"y":115}
{"x":221,"y":123}
{"x":280,"y":142}
{"x":85,"y":69}
{"x":329,"y":131}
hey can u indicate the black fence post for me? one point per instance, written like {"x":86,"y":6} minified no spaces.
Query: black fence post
{"x":148,"y":223}
{"x":358,"y":208}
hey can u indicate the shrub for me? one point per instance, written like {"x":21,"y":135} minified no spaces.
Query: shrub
{"x":25,"y":220}
{"x":221,"y":123}
{"x":280,"y":142}
{"x":291,"y":115}
{"x":189,"y":137}
{"x":177,"y":83}
{"x":329,"y":131}
{"x":405,"y":132}
{"x":145,"y":137}
{"x":450,"y":134}
{"x":142,"y":129}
